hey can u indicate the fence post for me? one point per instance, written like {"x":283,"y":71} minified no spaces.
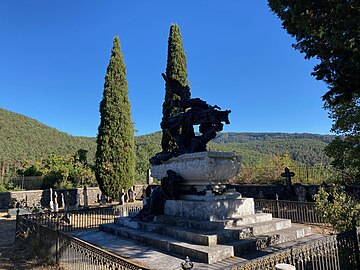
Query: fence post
{"x":17,"y":223}
{"x":57,"y":243}
{"x":277,"y":206}
{"x":357,"y":246}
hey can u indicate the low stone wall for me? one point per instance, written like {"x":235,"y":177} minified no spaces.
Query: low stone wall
{"x":300,"y":192}
{"x":35,"y":197}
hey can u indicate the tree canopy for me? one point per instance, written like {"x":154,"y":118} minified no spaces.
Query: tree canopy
{"x":330,"y":32}
{"x":175,"y":69}
{"x":115,"y":155}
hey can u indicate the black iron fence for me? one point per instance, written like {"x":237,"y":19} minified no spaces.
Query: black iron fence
{"x":44,"y":235}
{"x":300,"y":212}
{"x":56,"y":248}
{"x":336,"y":252}
{"x":83,"y":219}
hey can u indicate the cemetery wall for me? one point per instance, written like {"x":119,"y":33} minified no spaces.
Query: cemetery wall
{"x":36,"y":197}
{"x":300,"y":192}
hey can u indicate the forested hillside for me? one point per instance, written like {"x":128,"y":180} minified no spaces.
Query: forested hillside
{"x":24,"y":138}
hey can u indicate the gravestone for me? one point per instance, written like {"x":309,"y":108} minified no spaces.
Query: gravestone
{"x":131,"y":195}
{"x":62,"y":201}
{"x":149,"y":178}
{"x":86,"y":200}
{"x":122,"y":197}
{"x":287,"y":174}
{"x":51,"y":203}
{"x":55,"y":204}
{"x":77,"y":201}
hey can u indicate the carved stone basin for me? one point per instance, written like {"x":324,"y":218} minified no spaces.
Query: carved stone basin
{"x":201,"y":169}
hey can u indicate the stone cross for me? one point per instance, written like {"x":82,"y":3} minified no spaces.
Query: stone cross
{"x":287,"y":174}
{"x":51,"y":203}
{"x":86,"y":201}
{"x":55,"y":204}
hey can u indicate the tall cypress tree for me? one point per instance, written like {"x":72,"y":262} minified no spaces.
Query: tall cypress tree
{"x":175,"y":69}
{"x":115,"y":155}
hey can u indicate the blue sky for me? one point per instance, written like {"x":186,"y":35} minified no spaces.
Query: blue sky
{"x":54,"y":55}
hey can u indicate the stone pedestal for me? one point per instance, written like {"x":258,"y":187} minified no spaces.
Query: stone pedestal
{"x":210,"y":210}
{"x":203,"y":173}
{"x":210,"y":222}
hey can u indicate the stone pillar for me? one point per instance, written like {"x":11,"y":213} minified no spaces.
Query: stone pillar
{"x":122,"y":197}
{"x":77,"y":201}
{"x":86,"y":202}
{"x":67,"y":201}
{"x":55,"y":204}
{"x":284,"y":266}
{"x":149,"y":178}
{"x":62,"y":201}
{"x":51,"y":203}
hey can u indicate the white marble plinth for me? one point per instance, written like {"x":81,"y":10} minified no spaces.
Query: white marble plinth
{"x":201,"y":169}
{"x":210,"y":210}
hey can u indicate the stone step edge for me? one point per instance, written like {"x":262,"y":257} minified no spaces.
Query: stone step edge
{"x":204,"y":254}
{"x":214,"y":224}
{"x":205,"y":238}
{"x":261,"y":242}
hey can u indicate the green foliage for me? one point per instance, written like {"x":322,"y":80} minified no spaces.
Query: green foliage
{"x":346,"y":158}
{"x":175,"y":69}
{"x":6,"y":186}
{"x":330,"y":32}
{"x":256,"y":149}
{"x":60,"y":172}
{"x":261,"y":173}
{"x":337,"y":208}
{"x":23,"y":138}
{"x":115,"y":155}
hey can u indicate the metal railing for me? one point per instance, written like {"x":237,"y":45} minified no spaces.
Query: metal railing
{"x":299,"y":212}
{"x":336,"y":252}
{"x":83,"y":219}
{"x":57,"y":248}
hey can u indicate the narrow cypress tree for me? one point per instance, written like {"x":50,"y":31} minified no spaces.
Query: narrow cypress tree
{"x":175,"y":69}
{"x":115,"y":154}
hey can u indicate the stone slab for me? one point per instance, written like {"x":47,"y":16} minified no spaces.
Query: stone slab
{"x":149,"y":256}
{"x":12,"y":212}
{"x":210,"y":210}
{"x":214,"y":225}
{"x":284,"y":236}
{"x":204,"y":254}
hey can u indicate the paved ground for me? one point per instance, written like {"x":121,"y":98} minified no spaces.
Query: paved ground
{"x":156,"y":259}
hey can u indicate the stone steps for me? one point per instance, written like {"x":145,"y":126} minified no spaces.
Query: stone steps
{"x":213,"y":225}
{"x":274,"y":238}
{"x":206,"y":254}
{"x":200,"y":237}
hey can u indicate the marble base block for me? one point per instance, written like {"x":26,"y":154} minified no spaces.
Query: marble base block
{"x":210,"y":210}
{"x":201,"y":169}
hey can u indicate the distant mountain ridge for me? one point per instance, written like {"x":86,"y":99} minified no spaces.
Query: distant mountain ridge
{"x":24,"y":138}
{"x":250,"y":136}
